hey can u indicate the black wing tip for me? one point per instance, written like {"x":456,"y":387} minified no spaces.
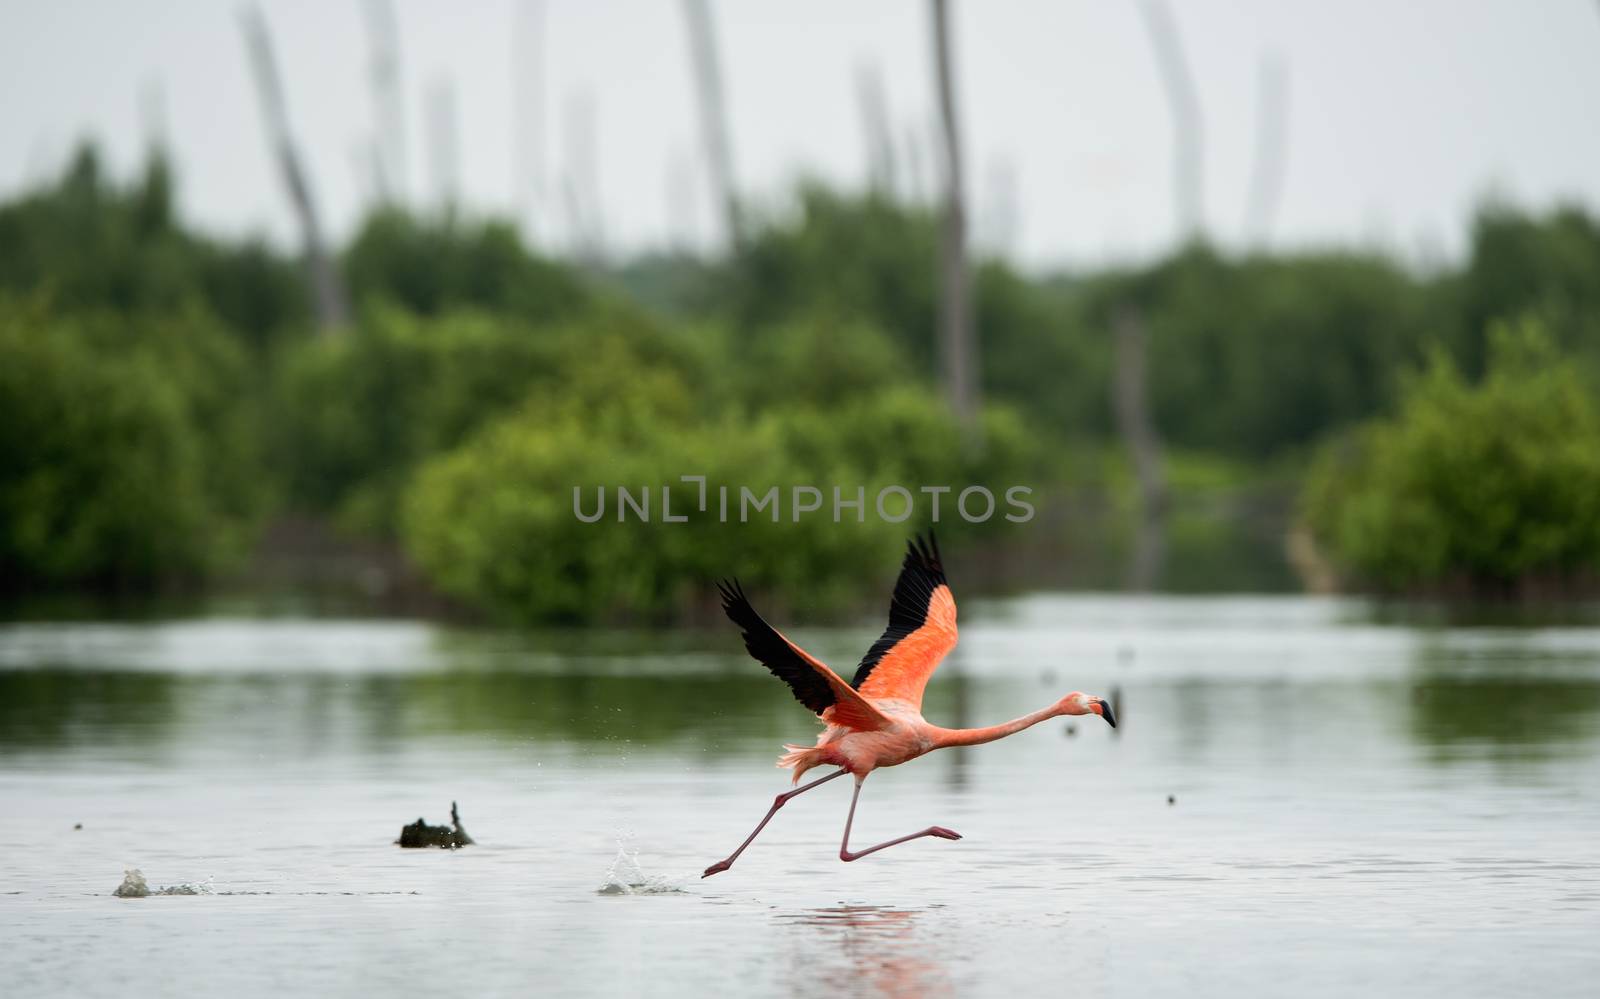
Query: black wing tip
{"x":921,"y":575}
{"x":733,"y":598}
{"x":923,"y":553}
{"x":766,"y":646}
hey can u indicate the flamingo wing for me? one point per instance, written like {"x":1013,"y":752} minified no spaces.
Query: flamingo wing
{"x":921,"y":632}
{"x":813,"y":683}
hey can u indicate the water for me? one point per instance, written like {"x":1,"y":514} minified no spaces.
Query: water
{"x":1356,"y":806}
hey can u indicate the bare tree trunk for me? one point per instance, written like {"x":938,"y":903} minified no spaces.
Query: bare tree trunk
{"x":956,"y":334}
{"x":528,"y":184}
{"x":1136,"y":423}
{"x":328,"y":293}
{"x":1134,"y":417}
{"x":1149,"y":553}
{"x":876,"y":136}
{"x":388,"y":101}
{"x":1272,"y":127}
{"x":681,"y":206}
{"x":713,"y":117}
{"x":153,"y":116}
{"x":997,"y":214}
{"x":443,"y":143}
{"x":582,"y":183}
{"x":916,"y":186}
{"x":1188,"y":164}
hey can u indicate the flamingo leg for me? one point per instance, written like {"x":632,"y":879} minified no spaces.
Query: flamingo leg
{"x":777,"y":803}
{"x":847,"y":855}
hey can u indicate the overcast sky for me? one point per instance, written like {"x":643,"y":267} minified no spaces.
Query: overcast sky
{"x":1401,"y":116}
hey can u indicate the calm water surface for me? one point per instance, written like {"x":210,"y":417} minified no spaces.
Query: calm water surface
{"x":1356,"y":807}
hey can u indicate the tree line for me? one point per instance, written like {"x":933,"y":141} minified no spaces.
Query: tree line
{"x":163,"y":395}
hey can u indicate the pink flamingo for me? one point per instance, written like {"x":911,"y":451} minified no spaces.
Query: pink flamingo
{"x":876,"y":720}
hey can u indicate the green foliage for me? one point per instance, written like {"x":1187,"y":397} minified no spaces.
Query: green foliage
{"x":493,"y":522}
{"x":127,"y":449}
{"x":1485,"y":488}
{"x":90,"y":245}
{"x":861,"y":256}
{"x":1046,"y":351}
{"x":435,"y":266}
{"x":673,"y":285}
{"x":1523,"y":265}
{"x":482,"y":381}
{"x":854,"y":261}
{"x":905,"y":436}
{"x":358,"y":412}
{"x":1251,"y":357}
{"x":819,"y":360}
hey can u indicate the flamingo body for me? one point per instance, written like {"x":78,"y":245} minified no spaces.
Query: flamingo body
{"x":876,"y":720}
{"x":906,"y":737}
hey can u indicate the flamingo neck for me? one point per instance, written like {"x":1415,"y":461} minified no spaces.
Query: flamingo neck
{"x":978,"y":736}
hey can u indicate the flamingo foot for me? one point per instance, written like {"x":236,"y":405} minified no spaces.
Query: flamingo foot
{"x":716,"y":868}
{"x":847,"y":855}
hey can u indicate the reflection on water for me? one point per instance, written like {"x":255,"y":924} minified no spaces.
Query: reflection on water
{"x":1205,"y":549}
{"x":953,"y":708}
{"x":1507,"y":701}
{"x":43,"y":707}
{"x":1506,"y":694}
{"x":863,"y":949}
{"x":1540,"y":715}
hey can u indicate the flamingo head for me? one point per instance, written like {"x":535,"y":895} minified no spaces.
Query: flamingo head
{"x":1078,"y":703}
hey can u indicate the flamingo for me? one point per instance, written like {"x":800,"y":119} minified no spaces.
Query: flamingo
{"x":876,"y":720}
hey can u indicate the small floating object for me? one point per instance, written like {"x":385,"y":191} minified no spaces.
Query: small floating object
{"x":77,"y":825}
{"x":420,"y":835}
{"x":1171,"y":800}
{"x":1071,"y":730}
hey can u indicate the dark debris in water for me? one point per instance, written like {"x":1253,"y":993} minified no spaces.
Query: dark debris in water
{"x":420,"y":835}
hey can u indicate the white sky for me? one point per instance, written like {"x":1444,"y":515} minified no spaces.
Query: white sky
{"x":1401,"y":115}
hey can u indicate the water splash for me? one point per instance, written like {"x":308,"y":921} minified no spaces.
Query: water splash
{"x":134,"y":885}
{"x":626,"y":877}
{"x":205,"y":887}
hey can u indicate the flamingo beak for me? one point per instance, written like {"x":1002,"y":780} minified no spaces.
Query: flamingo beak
{"x":1105,"y":711}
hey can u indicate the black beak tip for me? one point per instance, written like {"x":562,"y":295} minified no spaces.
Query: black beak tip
{"x":1107,"y":713}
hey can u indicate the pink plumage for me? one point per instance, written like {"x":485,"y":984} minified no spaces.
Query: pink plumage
{"x":876,"y":721}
